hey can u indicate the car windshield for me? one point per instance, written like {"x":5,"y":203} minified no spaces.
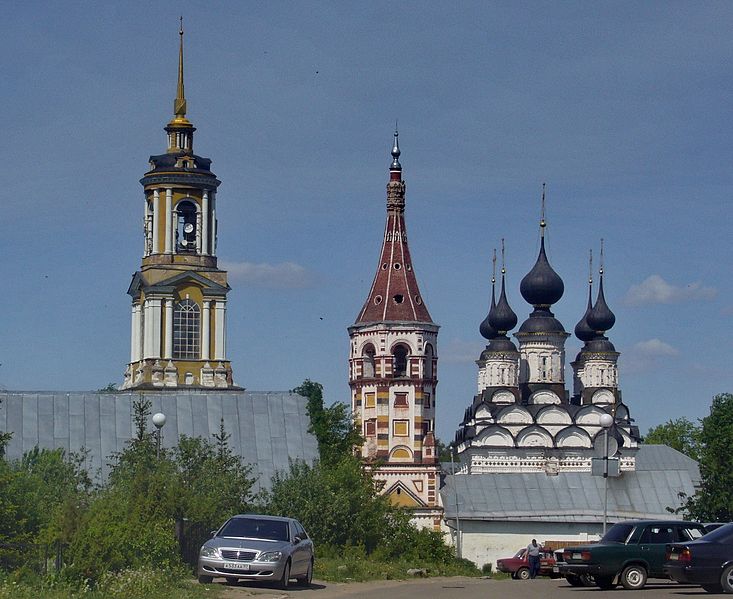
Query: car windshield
{"x":520,"y":553}
{"x":722,"y":534}
{"x":618,"y":533}
{"x":255,"y":528}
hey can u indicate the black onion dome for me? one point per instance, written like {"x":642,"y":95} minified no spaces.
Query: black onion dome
{"x":583,"y":331}
{"x":500,"y":344}
{"x":600,"y":345}
{"x":601,"y":318}
{"x":541,"y":321}
{"x":542,"y":286}
{"x":485,"y":328}
{"x":502,"y":317}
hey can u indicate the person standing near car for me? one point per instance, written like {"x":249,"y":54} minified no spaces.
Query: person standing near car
{"x":533,"y":558}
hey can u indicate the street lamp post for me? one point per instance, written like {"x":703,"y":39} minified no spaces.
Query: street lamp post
{"x":159,"y":422}
{"x":606,"y":423}
{"x":455,"y":496}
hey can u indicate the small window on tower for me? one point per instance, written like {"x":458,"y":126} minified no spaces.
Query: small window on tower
{"x":367,"y":364}
{"x":399,"y":360}
{"x":186,"y":229}
{"x":399,"y":298}
{"x":400,"y":400}
{"x":401,"y":428}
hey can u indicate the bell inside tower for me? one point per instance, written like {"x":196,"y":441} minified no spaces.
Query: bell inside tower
{"x":186,"y":229}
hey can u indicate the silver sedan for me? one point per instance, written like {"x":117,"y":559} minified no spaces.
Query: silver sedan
{"x":256,"y":547}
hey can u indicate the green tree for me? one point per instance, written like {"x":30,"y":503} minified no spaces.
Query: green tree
{"x":214,"y":482}
{"x":332,"y":426}
{"x":714,"y":500}
{"x":337,"y":502}
{"x":680,"y":434}
{"x":34,"y":492}
{"x":131,"y":521}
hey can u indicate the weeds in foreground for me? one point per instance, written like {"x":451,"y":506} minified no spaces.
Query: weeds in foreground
{"x":144,"y":583}
{"x":352,"y":565}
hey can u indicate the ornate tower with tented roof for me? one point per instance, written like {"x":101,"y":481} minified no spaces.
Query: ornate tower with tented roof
{"x":179,"y":295}
{"x":523,"y":419}
{"x":393,"y":370}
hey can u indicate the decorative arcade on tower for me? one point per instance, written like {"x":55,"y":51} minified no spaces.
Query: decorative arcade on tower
{"x":393,"y":371}
{"x":179,"y":295}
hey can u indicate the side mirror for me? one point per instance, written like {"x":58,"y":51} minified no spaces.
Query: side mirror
{"x":297,"y":539}
{"x":212,"y":533}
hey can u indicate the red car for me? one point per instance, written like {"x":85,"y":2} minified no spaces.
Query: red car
{"x":518,"y":566}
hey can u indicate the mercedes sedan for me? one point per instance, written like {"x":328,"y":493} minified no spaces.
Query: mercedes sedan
{"x":254,"y":547}
{"x":707,"y":561}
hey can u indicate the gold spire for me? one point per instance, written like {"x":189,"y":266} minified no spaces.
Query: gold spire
{"x":179,"y":104}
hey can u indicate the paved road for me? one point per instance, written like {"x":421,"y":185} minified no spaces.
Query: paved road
{"x":465,"y":588}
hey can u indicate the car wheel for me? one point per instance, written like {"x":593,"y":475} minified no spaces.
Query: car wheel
{"x":523,"y":574}
{"x":633,"y":577}
{"x":285,"y":578}
{"x":308,"y":578}
{"x":574,"y":580}
{"x":726,"y":579}
{"x":587,"y":580}
{"x":712,"y":588}
{"x":205,"y":579}
{"x":606,"y":582}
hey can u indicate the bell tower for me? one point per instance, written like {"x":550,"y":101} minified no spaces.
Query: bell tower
{"x":393,"y":371}
{"x":178,"y":336}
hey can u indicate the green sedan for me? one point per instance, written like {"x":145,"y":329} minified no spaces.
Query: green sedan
{"x":630,"y":552}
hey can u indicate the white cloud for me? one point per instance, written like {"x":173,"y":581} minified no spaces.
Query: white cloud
{"x":655,"y":290}
{"x":654,"y":348}
{"x":286,"y":275}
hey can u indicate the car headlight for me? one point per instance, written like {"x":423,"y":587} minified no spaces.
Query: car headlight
{"x":209,"y":552}
{"x":270,"y":556}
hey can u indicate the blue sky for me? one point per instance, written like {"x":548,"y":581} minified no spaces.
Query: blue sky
{"x":623,"y":109}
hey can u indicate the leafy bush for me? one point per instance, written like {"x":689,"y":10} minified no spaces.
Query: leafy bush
{"x":145,"y":583}
{"x":131,"y":523}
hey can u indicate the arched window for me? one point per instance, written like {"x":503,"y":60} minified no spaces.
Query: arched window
{"x":428,"y":361}
{"x":367,"y":367}
{"x":399,"y":360}
{"x":186,"y":330}
{"x":186,"y":227}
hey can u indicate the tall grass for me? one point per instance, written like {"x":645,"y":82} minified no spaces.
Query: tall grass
{"x":144,"y":583}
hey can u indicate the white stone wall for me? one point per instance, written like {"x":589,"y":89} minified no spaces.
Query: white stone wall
{"x":484,"y":542}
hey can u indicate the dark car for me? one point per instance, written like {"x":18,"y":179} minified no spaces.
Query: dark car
{"x":707,"y":561}
{"x":518,"y":565}
{"x":711,"y":526}
{"x":630,"y":552}
{"x":576,"y":580}
{"x":255,"y":547}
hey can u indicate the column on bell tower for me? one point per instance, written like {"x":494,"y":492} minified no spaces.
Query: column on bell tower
{"x":393,"y":370}
{"x":179,"y":294}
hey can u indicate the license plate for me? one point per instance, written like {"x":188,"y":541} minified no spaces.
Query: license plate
{"x":576,"y":555}
{"x":555,"y":569}
{"x":236,"y":566}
